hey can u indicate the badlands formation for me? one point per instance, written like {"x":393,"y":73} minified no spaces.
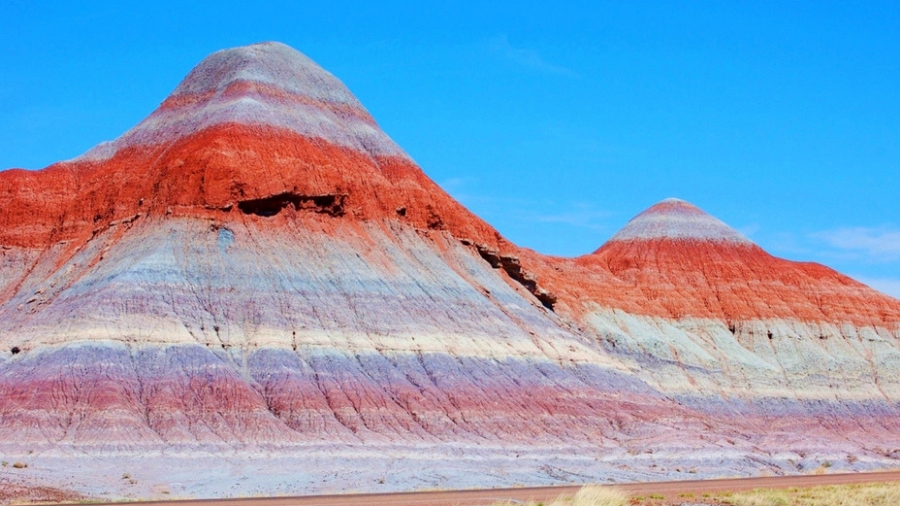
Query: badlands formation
{"x":256,"y":291}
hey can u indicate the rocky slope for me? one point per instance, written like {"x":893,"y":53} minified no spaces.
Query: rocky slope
{"x":712,"y":320}
{"x":257,"y":267}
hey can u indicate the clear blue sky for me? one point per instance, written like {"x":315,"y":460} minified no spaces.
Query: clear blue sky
{"x":556,"y":124}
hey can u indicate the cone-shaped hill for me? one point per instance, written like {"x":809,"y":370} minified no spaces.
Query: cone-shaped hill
{"x":252,"y":130}
{"x":681,"y":292}
{"x":675,"y":260}
{"x":257,"y":269}
{"x":677,"y":220}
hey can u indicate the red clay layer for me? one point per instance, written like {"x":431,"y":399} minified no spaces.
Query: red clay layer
{"x":677,"y":278}
{"x":211,"y":172}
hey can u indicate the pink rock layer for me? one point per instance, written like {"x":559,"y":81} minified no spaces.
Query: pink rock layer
{"x":115,"y":398}
{"x":195,"y":395}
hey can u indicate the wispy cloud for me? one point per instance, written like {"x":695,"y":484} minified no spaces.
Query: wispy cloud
{"x":578,"y":215}
{"x":453,"y":184}
{"x":884,"y":285}
{"x":749,"y":230}
{"x":879,"y":244}
{"x":527,"y":57}
{"x":526,"y":210}
{"x":787,"y":244}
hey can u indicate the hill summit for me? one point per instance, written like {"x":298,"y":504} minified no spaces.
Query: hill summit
{"x":254,"y":130}
{"x":676,"y":219}
{"x":264,"y":85}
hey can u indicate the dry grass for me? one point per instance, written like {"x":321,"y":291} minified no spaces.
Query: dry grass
{"x":587,"y":496}
{"x":879,"y":494}
{"x":841,"y":495}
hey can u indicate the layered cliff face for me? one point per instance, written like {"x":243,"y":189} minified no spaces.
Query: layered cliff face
{"x":705,"y":315}
{"x":257,"y":263}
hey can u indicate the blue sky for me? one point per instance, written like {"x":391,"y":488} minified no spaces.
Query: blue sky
{"x":556,"y":124}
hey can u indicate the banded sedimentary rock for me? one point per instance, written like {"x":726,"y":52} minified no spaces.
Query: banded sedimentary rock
{"x":257,"y":263}
{"x":714,"y":321}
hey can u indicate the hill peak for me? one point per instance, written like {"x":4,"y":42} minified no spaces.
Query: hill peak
{"x":268,"y":84}
{"x":677,"y":219}
{"x":267,"y":63}
{"x":253,"y":130}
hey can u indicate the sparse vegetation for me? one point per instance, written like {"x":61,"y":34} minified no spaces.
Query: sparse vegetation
{"x":822,"y":469}
{"x":842,"y":495}
{"x":882,"y":494}
{"x":600,"y":496}
{"x":587,"y":496}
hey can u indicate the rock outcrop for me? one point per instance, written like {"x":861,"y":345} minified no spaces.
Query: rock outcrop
{"x":257,"y":264}
{"x":712,"y":320}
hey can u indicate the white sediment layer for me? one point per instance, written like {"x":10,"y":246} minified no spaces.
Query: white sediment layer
{"x":367,"y":288}
{"x":762,"y":358}
{"x":316,"y":104}
{"x":677,"y":219}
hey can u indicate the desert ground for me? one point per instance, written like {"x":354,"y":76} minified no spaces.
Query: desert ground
{"x":808,"y":490}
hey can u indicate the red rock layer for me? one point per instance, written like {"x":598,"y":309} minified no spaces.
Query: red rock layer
{"x":256,"y":129}
{"x":220,"y":171}
{"x":677,"y":278}
{"x":674,"y":260}
{"x":216,"y":172}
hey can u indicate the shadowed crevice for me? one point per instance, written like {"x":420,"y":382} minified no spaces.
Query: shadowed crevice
{"x":330,"y":204}
{"x":513,"y":267}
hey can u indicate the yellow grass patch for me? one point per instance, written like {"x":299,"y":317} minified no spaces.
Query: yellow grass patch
{"x":879,"y":494}
{"x":587,"y":496}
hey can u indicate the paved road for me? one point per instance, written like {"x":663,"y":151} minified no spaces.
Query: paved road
{"x":483,"y":497}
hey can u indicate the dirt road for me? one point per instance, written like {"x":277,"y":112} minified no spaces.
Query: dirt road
{"x":483,"y":497}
